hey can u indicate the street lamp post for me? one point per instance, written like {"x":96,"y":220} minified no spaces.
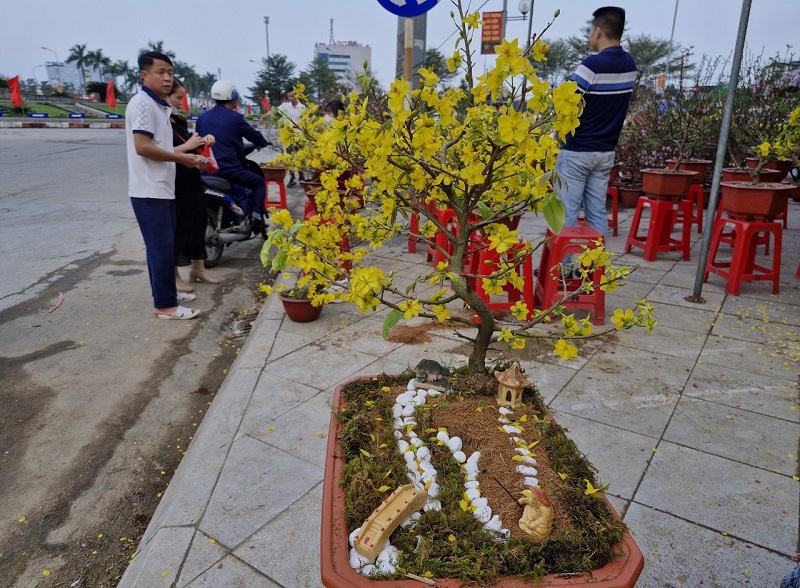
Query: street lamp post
{"x":35,"y":83}
{"x":266,"y":25}
{"x":57,"y":64}
{"x":524,"y":7}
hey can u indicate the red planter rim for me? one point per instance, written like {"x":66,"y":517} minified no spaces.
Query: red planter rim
{"x":334,"y":555}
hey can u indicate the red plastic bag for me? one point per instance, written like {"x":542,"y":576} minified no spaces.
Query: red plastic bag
{"x":205,"y":151}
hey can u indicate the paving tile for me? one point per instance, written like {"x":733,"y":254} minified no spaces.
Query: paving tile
{"x":755,"y":439}
{"x":739,"y":389}
{"x":698,"y":319}
{"x":378,"y":367}
{"x":301,"y":432}
{"x":201,"y":556}
{"x":769,"y":333}
{"x":191,"y":487}
{"x":158,"y":560}
{"x":724,"y":495}
{"x":285,"y":343}
{"x":675,"y":295}
{"x":364,"y":336}
{"x":550,"y":378}
{"x":680,"y":554}
{"x":230,"y":572}
{"x":765,"y":310}
{"x":620,"y":456}
{"x":752,"y":357}
{"x":683,"y":343}
{"x":257,"y":482}
{"x":319,"y":364}
{"x":273,"y":397}
{"x":287,"y":549}
{"x":628,"y":388}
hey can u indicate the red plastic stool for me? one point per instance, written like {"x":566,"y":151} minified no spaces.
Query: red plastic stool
{"x":549,"y":284}
{"x":742,"y":267}
{"x":489,"y":262}
{"x":281,"y":201}
{"x":696,"y":196}
{"x":662,"y":220}
{"x":729,"y":236}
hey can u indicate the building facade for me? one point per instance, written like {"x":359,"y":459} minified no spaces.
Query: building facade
{"x":346,"y":59}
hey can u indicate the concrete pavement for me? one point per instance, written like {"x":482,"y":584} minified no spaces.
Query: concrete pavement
{"x":695,"y":429}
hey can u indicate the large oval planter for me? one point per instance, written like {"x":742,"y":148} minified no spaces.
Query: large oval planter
{"x":301,"y":311}
{"x":696,"y":165}
{"x":754,"y":202}
{"x":741,"y":174}
{"x":629,"y":194}
{"x":337,"y":573}
{"x":666,"y":184}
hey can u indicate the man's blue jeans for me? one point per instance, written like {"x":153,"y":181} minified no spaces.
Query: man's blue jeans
{"x":156,"y":219}
{"x":585,"y":181}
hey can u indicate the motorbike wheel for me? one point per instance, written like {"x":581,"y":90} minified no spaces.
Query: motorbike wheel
{"x":213,"y":252}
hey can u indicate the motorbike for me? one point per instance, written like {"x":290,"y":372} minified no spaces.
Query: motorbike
{"x":228,"y":212}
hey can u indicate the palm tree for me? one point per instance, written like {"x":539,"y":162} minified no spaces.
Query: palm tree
{"x":158,"y":46}
{"x":119,"y":68}
{"x":205,"y":83}
{"x":78,"y":55}
{"x":132,"y":80}
{"x":98,"y":61}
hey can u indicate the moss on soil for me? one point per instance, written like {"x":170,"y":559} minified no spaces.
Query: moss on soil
{"x":585,"y":535}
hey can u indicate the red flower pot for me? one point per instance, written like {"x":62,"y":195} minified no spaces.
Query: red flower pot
{"x":696,"y":165}
{"x":337,"y":572}
{"x":754,"y":202}
{"x":629,"y":195}
{"x":741,"y":174}
{"x":782,"y":165}
{"x":666,"y":184}
{"x":301,"y":311}
{"x":273,"y":172}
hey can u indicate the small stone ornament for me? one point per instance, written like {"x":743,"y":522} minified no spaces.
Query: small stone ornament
{"x":537,"y":518}
{"x":433,"y":375}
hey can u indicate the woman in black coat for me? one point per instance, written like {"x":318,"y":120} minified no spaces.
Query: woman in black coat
{"x":190,"y":208}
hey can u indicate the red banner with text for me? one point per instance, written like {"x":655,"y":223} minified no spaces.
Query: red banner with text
{"x":492,"y":32}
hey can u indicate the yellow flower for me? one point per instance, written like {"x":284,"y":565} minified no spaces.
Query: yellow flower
{"x":410,"y":308}
{"x":565,"y":350}
{"x":441,"y":312}
{"x":518,"y":343}
{"x":473,"y":21}
{"x":540,"y":50}
{"x":623,"y":318}
{"x":431,"y":79}
{"x":513,"y":127}
{"x":520,"y":310}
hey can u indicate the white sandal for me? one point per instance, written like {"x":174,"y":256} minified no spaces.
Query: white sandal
{"x":181,"y":314}
{"x":184,"y":297}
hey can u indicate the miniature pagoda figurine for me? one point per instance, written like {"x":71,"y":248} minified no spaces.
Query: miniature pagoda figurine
{"x":511,"y":384}
{"x":537,"y":518}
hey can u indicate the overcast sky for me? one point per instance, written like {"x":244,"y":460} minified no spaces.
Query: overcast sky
{"x":214,"y":35}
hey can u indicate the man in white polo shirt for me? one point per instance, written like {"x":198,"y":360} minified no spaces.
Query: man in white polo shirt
{"x":293,"y":110}
{"x":151,"y":180}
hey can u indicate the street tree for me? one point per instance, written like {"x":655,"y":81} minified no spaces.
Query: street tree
{"x":78,"y":55}
{"x":276,"y":77}
{"x":320,"y":81}
{"x":157,"y":46}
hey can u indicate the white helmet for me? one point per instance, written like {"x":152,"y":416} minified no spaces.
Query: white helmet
{"x":224,"y":90}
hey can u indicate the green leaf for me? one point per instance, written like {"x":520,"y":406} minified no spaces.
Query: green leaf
{"x":391,"y":320}
{"x":554,"y":214}
{"x":280,"y":261}
{"x":265,"y":249}
{"x":485,"y":211}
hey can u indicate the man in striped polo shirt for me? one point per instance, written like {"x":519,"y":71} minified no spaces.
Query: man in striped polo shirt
{"x":606,"y":81}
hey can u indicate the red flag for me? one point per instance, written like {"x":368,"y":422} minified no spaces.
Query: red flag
{"x":265,"y":103}
{"x":249,"y":110}
{"x":185,"y":103}
{"x":16,"y":93}
{"x":111,"y":98}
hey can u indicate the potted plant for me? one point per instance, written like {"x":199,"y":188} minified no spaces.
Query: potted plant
{"x":451,"y":150}
{"x":755,"y":199}
{"x":301,"y":303}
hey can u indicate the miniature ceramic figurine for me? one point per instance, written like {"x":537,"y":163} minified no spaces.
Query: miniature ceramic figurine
{"x":537,"y":518}
{"x":433,"y":375}
{"x":384,"y":520}
{"x":511,"y":384}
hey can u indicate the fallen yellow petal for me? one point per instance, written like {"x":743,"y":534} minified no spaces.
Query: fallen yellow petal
{"x":46,"y":573}
{"x":22,"y":520}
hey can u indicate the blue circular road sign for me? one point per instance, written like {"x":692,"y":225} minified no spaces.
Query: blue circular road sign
{"x":408,"y":8}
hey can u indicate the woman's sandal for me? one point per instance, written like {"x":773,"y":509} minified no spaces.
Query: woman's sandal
{"x":181,"y":314}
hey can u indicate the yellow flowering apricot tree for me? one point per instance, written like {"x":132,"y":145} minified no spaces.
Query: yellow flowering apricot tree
{"x":485,"y":154}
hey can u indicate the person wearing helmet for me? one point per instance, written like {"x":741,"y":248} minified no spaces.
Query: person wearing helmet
{"x":229,"y":128}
